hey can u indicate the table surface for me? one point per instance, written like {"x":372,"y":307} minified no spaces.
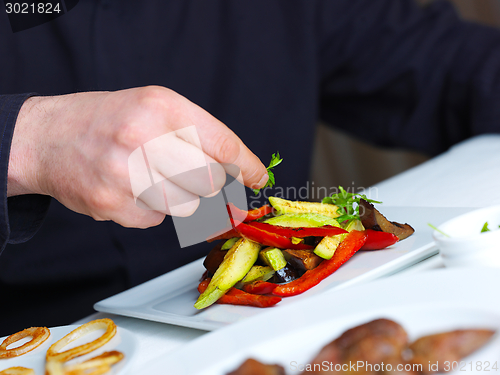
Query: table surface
{"x":468,"y":175}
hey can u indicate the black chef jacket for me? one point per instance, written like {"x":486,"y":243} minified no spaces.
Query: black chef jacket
{"x":385,"y":70}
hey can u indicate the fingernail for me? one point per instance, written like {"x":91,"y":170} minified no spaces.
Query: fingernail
{"x":263,"y":180}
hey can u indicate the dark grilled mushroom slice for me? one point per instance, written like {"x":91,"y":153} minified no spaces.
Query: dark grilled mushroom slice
{"x":254,"y":367}
{"x":285,"y":275}
{"x":214,"y":258}
{"x":302,"y":260}
{"x":373,"y":219}
{"x":448,"y":346}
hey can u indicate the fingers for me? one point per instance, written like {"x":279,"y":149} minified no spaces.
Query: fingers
{"x":225,"y":147}
{"x":188,"y":166}
{"x":150,"y":208}
{"x":168,"y":175}
{"x":188,"y":152}
{"x":221,"y":144}
{"x":170,"y":199}
{"x":137,"y":216}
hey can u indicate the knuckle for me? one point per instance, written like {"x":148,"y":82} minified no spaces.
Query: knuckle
{"x":147,"y":109}
{"x":129,"y":135}
{"x":152,"y":98}
{"x":118,"y":171}
{"x":114,"y":174}
{"x":255,"y":176}
{"x":103,"y":200}
{"x":110,"y":165}
{"x":227,"y":149}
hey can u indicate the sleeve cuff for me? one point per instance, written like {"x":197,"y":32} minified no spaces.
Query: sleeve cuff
{"x":26,"y":214}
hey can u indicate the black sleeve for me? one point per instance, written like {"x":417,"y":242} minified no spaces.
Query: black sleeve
{"x":396,"y":74}
{"x":20,"y":216}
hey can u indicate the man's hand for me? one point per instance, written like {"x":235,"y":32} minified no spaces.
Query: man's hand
{"x":76,"y":148}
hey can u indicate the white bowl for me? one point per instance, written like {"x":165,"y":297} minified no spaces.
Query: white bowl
{"x":467,"y":246}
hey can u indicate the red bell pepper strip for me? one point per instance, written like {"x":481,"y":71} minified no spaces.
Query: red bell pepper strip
{"x":267,"y":238}
{"x":347,"y":248}
{"x":245,"y":216}
{"x":238,"y":297}
{"x":203,"y":285}
{"x":377,"y":240}
{"x":323,"y":231}
{"x":260,"y":287}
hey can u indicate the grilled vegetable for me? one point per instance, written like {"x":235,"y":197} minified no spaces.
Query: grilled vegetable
{"x":373,"y":219}
{"x":283,"y":206}
{"x":263,"y":273}
{"x":302,"y":260}
{"x":236,"y":264}
{"x":326,"y":248}
{"x":305,"y":220}
{"x":346,"y":250}
{"x":273,"y":257}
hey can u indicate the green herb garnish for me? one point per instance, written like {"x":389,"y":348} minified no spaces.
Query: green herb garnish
{"x":485,"y":228}
{"x":347,"y":203}
{"x":275,"y":160}
{"x":438,"y":230}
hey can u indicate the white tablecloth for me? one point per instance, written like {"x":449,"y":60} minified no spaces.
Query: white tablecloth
{"x":468,"y":175}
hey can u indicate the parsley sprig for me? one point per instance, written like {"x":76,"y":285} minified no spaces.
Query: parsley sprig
{"x":347,"y":203}
{"x":275,"y":160}
{"x":485,"y":228}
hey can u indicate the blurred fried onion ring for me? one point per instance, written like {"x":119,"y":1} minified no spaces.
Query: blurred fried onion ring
{"x":17,"y":371}
{"x":38,"y":334}
{"x":98,"y":370}
{"x":94,"y":366}
{"x":54,"y":368}
{"x":54,"y":353}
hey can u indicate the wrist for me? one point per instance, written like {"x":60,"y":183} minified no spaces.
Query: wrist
{"x":23,"y":170}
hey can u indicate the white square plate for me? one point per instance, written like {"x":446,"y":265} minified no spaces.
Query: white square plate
{"x":170,"y":297}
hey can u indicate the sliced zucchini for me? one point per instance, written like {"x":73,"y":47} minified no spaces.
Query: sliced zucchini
{"x":284,"y":206}
{"x":229,"y":243}
{"x":307,"y":220}
{"x":327,"y":246}
{"x":256,"y":273}
{"x":273,"y":257}
{"x":236,"y":264}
